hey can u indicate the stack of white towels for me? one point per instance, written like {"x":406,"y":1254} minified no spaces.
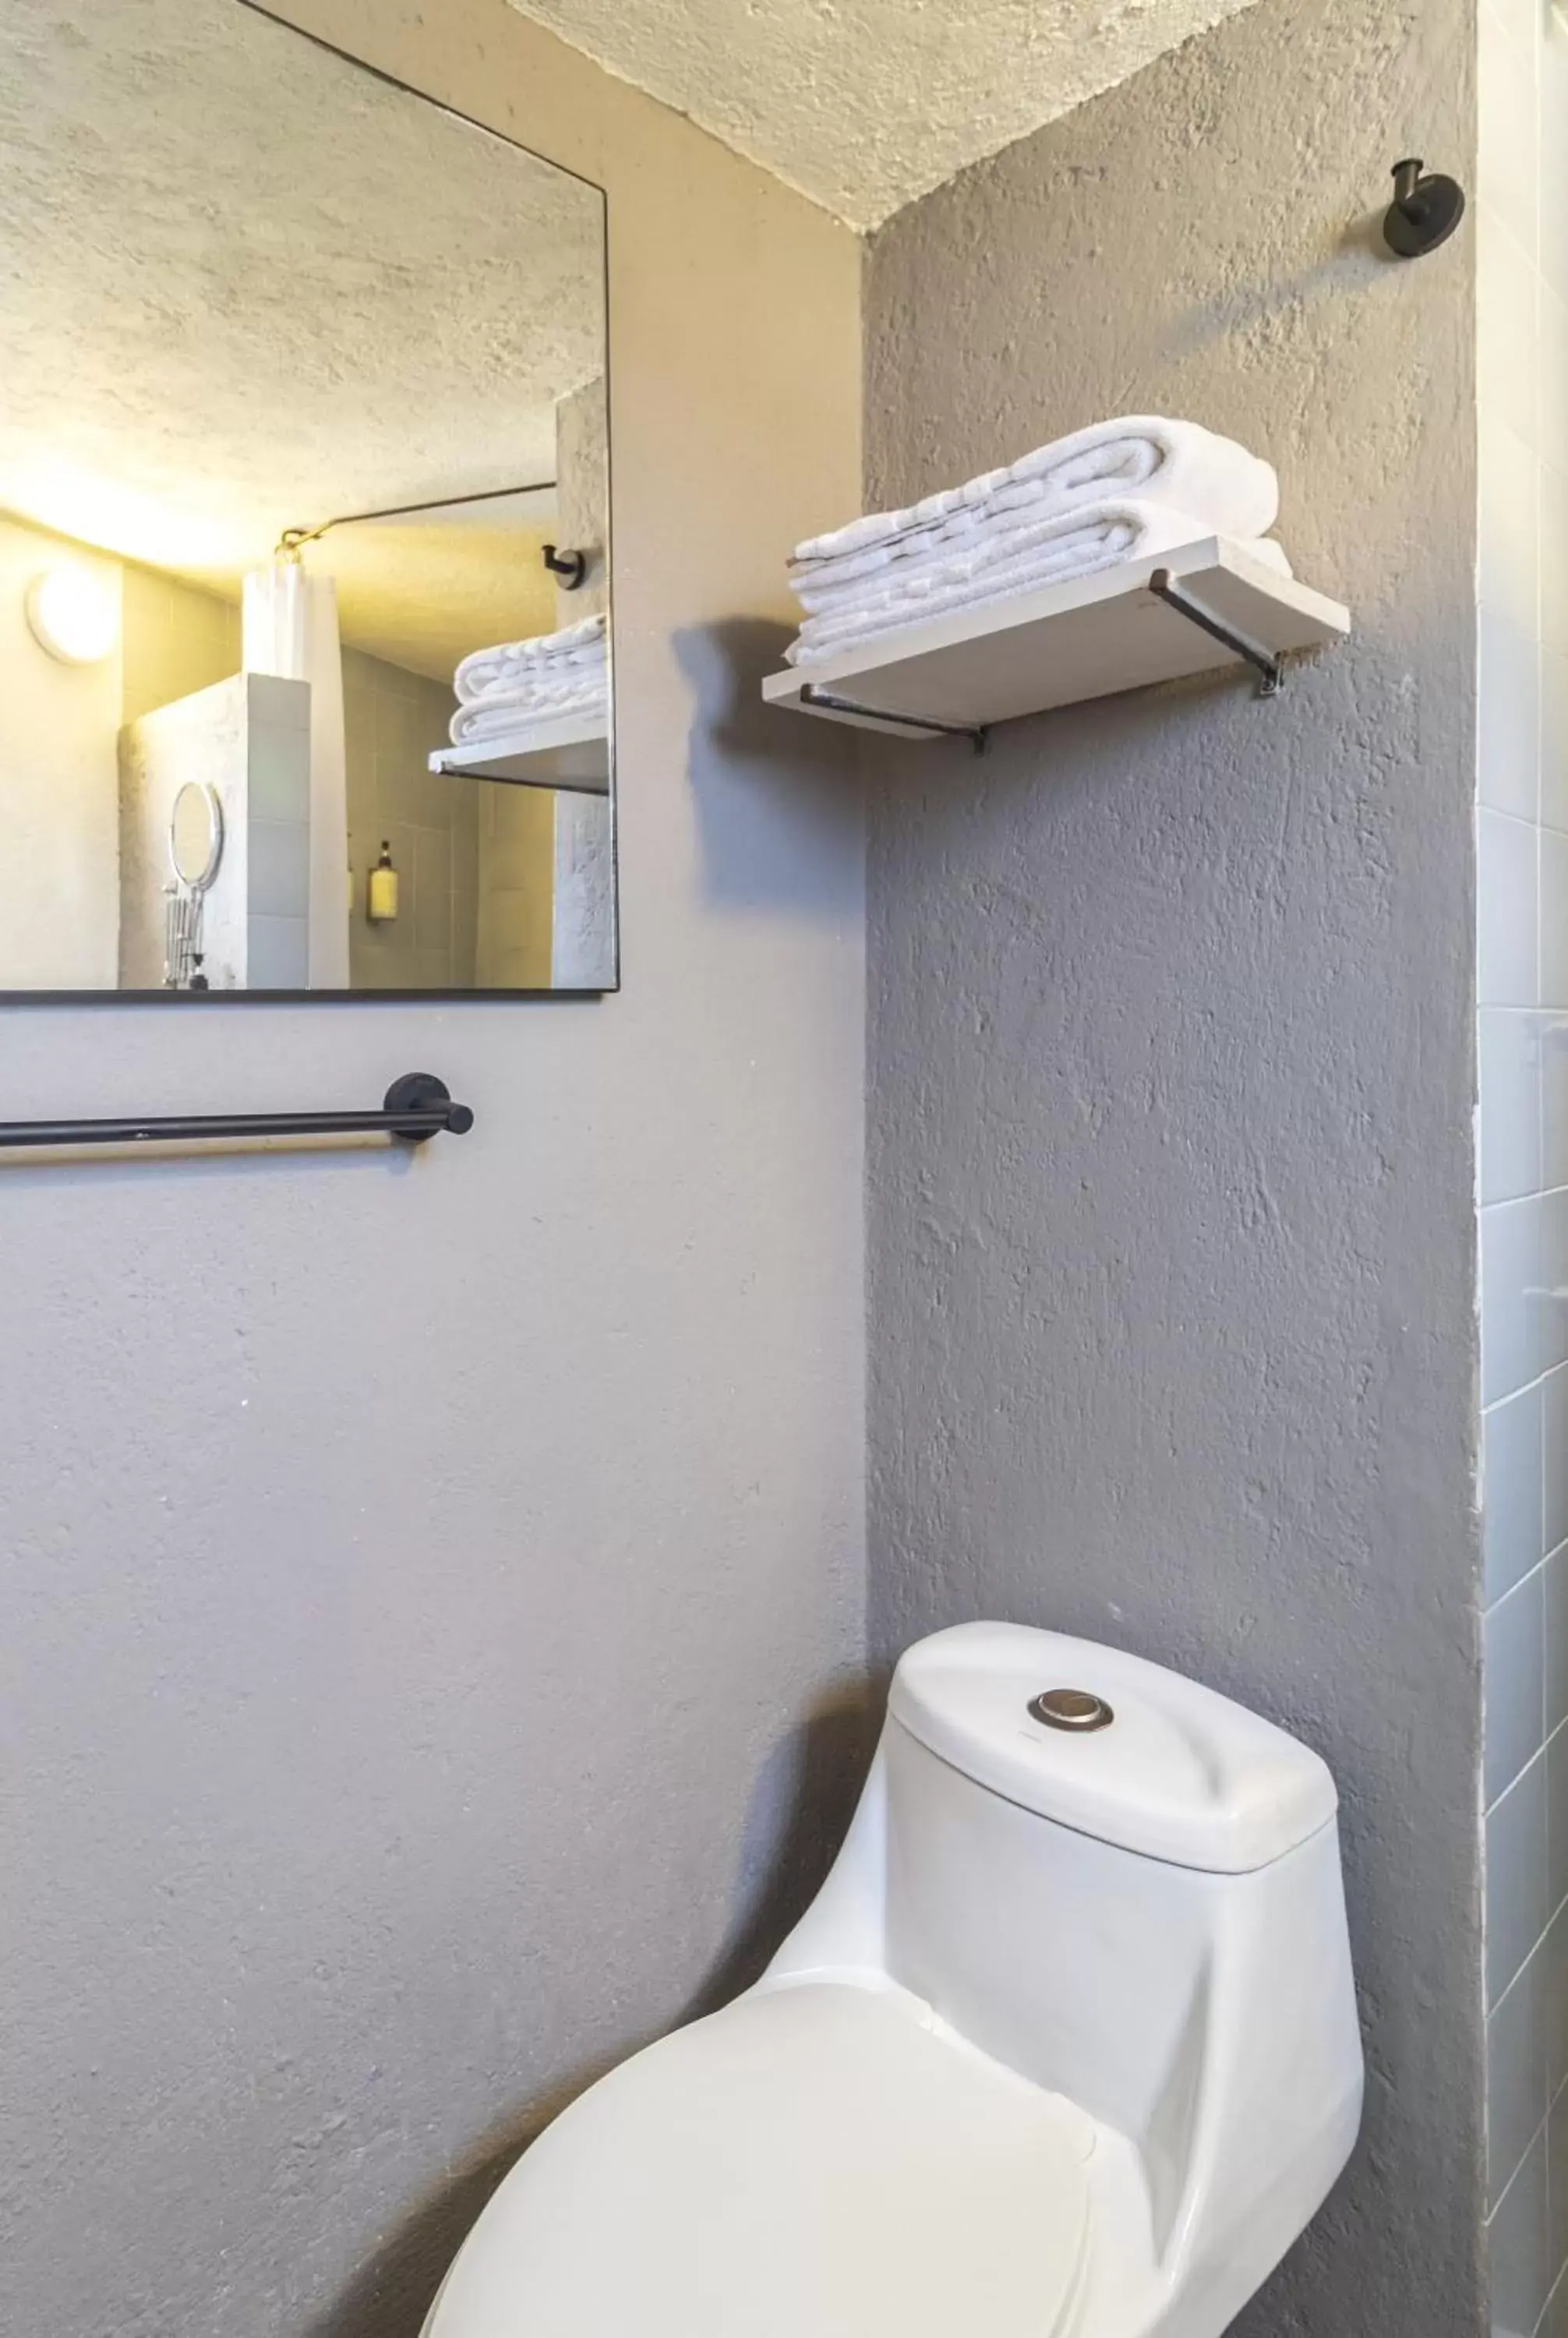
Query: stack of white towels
{"x":1122,"y":490}
{"x":514,"y":689}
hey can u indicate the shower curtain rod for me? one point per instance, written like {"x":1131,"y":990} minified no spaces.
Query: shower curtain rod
{"x":289,"y":542}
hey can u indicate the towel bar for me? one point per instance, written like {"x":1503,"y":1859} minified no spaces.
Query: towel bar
{"x":417,"y":1107}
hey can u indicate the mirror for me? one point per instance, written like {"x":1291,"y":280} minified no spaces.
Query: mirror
{"x":196,"y":835}
{"x":306,"y":653}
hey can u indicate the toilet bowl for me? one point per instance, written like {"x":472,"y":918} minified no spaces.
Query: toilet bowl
{"x":1065,"y":2048}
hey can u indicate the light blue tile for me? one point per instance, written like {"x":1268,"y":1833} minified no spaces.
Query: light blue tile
{"x":1557,"y":2190}
{"x":1519,"y":2236}
{"x":1510,"y":1487}
{"x":1518,"y":2085}
{"x":1551,"y":1038}
{"x":1515,"y":1680}
{"x":1556,"y":2000}
{"x":1554,"y":737}
{"x":1551,"y":1311}
{"x":1506,"y":287}
{"x":1513,"y":1309}
{"x":1553,"y":918}
{"x":1510,"y":1103}
{"x":1555,"y":1602}
{"x":1506,"y":909}
{"x":279,"y":774}
{"x":278,"y":703}
{"x":432,"y":902}
{"x":1516,"y":1906}
{"x":280,"y":865}
{"x":280,"y":953}
{"x":1509,"y":137}
{"x":1508,"y":541}
{"x":1552,"y":57}
{"x":1556,"y":1821}
{"x":1554,"y":549}
{"x":1509,"y":741}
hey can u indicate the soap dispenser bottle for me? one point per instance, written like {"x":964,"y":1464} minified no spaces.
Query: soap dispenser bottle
{"x":381,"y":902}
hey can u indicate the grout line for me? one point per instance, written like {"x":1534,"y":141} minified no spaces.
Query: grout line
{"x":1489,"y":1606}
{"x":1490,"y":1809}
{"x":1541,"y":1378}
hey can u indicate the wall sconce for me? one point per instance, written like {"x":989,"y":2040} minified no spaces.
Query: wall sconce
{"x":73,"y":613}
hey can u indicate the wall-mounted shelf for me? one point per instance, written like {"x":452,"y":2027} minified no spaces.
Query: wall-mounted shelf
{"x":572,"y":752}
{"x":1140,"y":623}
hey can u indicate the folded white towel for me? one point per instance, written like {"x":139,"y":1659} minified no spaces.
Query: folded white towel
{"x":1145,"y":456}
{"x":506,"y":711}
{"x":1077,"y":544}
{"x":579,"y":645}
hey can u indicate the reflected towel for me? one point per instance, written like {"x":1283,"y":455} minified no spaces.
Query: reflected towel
{"x":505,"y":711}
{"x":579,"y":647}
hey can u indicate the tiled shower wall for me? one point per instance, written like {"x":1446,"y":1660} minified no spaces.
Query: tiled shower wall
{"x":1521,"y":227}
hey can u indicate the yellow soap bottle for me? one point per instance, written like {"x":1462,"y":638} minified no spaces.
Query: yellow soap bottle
{"x":381,"y":902}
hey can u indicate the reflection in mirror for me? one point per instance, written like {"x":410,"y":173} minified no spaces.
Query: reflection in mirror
{"x":196,"y":835}
{"x":304,"y":573}
{"x":195,"y":849}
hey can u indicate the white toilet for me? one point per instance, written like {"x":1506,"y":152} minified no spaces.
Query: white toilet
{"x":1065,"y":2048}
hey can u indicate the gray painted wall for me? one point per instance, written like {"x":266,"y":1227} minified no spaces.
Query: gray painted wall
{"x":1170,"y":1059}
{"x":427,"y":1586}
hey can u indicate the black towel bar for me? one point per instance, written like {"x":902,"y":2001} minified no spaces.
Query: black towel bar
{"x":416,"y":1106}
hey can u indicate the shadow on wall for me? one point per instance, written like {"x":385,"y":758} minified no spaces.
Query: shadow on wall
{"x":774,"y":792}
{"x":803,"y":1803}
{"x":1265,"y":307}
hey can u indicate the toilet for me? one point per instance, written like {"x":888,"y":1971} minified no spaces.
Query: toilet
{"x":1066,"y":2045}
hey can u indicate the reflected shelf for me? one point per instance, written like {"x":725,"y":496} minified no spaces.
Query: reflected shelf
{"x":572,"y":753}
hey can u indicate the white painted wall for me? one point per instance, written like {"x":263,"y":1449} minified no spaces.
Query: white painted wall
{"x":59,"y":838}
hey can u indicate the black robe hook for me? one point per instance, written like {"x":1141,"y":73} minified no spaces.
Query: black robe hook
{"x":1424,"y":212}
{"x":571,"y":567}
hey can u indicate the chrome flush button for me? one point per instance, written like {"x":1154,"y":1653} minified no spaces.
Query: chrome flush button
{"x":1071,"y":1708}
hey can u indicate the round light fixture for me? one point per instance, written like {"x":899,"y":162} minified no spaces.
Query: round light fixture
{"x":74,"y":612}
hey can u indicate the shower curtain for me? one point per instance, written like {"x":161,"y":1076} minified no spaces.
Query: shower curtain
{"x":289,"y":627}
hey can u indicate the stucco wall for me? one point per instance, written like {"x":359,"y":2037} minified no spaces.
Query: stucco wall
{"x":1171,"y":1058}
{"x":429,"y":1585}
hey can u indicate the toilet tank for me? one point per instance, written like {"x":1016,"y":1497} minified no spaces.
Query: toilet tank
{"x":1140,"y":1910}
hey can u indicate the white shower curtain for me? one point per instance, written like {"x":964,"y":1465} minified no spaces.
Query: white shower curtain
{"x":289,"y":624}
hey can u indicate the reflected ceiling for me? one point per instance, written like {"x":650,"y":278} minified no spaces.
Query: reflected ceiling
{"x":245,"y":285}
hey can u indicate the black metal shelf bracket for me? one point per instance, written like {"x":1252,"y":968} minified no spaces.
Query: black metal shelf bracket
{"x":417,"y":1107}
{"x":978,"y":734}
{"x":1271,"y":667}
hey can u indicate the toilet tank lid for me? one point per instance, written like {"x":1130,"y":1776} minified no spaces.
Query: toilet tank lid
{"x":1178,"y":1772}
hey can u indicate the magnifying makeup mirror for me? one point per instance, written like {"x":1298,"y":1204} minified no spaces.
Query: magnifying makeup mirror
{"x":196,"y":835}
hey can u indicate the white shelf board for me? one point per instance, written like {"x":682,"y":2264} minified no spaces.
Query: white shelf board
{"x":572,"y":752}
{"x":1087,"y":638}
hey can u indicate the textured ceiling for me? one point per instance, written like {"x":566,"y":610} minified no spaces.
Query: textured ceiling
{"x":425,"y":596}
{"x":245,"y":285}
{"x":864,"y":104}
